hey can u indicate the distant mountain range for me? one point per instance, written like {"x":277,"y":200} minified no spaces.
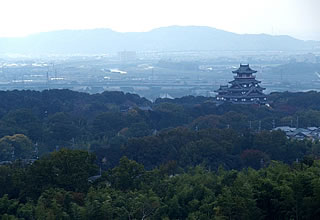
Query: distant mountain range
{"x":173,"y":38}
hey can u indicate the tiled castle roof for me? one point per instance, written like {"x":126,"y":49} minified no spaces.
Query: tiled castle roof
{"x":244,"y":69}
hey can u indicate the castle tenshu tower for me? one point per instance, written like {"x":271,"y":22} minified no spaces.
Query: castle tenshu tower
{"x":244,"y":89}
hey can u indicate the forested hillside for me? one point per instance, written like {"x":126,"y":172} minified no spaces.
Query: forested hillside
{"x":114,"y":124}
{"x":71,"y":155}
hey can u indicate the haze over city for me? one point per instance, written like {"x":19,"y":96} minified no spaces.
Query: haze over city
{"x":296,"y":18}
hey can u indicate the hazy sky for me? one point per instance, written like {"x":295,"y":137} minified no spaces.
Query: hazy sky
{"x":298,"y":18}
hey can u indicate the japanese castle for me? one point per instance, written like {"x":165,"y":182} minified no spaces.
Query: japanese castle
{"x":244,"y":89}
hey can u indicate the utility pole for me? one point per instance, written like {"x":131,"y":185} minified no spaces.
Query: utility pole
{"x":36,"y":150}
{"x":259,"y":128}
{"x":261,"y":163}
{"x":12,"y":155}
{"x":47,"y":78}
{"x":73,"y":143}
{"x":273,"y":124}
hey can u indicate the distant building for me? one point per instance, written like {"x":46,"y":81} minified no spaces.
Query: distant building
{"x":165,"y":96}
{"x":126,"y":56}
{"x":311,"y":133}
{"x":307,"y":58}
{"x":244,"y":89}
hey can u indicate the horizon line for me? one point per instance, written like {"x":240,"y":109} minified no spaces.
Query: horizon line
{"x":124,"y":32}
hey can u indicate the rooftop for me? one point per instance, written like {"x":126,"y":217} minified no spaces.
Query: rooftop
{"x":244,"y":69}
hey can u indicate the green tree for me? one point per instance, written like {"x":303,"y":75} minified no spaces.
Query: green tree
{"x":54,"y":204}
{"x":107,"y":124}
{"x":8,"y":206}
{"x":254,"y":158}
{"x":66,"y":169}
{"x":16,"y":146}
{"x":22,"y":121}
{"x":127,"y":175}
{"x":237,"y":201}
{"x":61,"y":128}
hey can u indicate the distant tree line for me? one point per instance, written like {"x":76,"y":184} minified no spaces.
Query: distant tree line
{"x":114,"y":124}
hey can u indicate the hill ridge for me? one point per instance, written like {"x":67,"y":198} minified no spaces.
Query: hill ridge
{"x":171,"y":38}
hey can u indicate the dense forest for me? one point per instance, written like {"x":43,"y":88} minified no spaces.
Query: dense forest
{"x":71,"y":155}
{"x":57,"y":187}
